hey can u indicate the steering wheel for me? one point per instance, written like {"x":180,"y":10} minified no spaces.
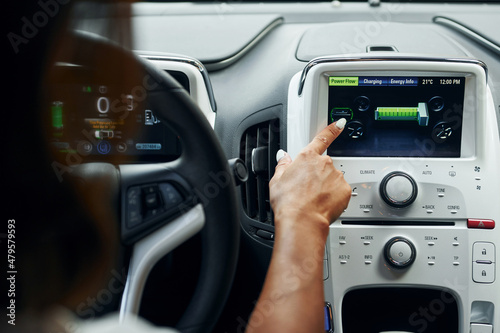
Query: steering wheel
{"x":164,"y":204}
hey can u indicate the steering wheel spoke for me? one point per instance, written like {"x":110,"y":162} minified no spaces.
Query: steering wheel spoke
{"x":150,"y":249}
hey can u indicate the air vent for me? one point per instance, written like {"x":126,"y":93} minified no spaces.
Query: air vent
{"x":381,"y":48}
{"x":258,"y":147}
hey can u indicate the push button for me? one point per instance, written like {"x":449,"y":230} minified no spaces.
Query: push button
{"x":483,"y":251}
{"x":151,"y":200}
{"x":398,"y":189}
{"x":325,"y":270}
{"x":146,"y":202}
{"x":399,"y":252}
{"x":483,"y":265}
{"x":481,"y":328}
{"x":483,"y":273}
{"x":134,"y":214}
{"x":480,"y":224}
{"x":170,"y":194}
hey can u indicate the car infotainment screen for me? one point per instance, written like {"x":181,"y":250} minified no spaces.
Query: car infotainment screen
{"x":397,"y":116}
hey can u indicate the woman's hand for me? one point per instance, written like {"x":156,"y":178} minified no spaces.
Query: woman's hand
{"x":310,"y":186}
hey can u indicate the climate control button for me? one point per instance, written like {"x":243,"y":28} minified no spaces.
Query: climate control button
{"x":398,"y":189}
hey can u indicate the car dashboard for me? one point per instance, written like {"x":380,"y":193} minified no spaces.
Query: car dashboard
{"x":419,"y":86}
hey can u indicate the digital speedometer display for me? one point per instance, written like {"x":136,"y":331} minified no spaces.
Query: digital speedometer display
{"x":97,"y":121}
{"x":397,"y":116}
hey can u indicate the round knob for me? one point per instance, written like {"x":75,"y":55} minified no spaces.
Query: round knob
{"x":398,"y":189}
{"x":240,"y":171}
{"x":399,"y":252}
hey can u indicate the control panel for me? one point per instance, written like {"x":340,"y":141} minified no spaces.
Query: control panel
{"x":106,"y":120}
{"x":420,"y":151}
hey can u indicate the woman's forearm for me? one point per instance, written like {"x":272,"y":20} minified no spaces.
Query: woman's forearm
{"x":292,"y":297}
{"x":306,"y":196}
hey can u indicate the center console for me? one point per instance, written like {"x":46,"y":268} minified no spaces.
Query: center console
{"x":416,"y":249}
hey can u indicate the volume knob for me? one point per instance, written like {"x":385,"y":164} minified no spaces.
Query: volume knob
{"x":398,"y":189}
{"x":400,"y":252}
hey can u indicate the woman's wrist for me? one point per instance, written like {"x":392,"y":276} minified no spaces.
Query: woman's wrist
{"x":308,"y":228}
{"x":300,"y":219}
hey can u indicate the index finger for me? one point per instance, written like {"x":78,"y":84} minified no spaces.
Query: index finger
{"x":325,"y":138}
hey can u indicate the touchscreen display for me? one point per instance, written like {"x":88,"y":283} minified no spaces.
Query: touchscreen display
{"x":397,"y":116}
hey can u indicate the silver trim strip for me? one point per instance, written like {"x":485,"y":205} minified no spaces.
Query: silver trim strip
{"x":190,"y":61}
{"x":464,"y":30}
{"x":152,"y":248}
{"x":322,"y":60}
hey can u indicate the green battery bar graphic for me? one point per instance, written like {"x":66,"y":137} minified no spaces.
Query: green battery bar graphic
{"x":418,"y":113}
{"x":57,"y":115}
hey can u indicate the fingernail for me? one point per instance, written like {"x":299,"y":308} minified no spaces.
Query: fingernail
{"x":340,"y":123}
{"x":280,"y":154}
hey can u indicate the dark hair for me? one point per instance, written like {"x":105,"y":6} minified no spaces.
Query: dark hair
{"x":66,"y":236}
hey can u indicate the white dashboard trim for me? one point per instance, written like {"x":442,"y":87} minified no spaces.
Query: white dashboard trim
{"x":199,"y":82}
{"x":451,"y":191}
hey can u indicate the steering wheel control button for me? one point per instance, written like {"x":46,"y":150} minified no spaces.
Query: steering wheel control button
{"x":400,"y":252}
{"x":134,"y":214}
{"x":398,"y":189}
{"x":171,"y":196}
{"x":152,"y":203}
{"x":149,"y":201}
